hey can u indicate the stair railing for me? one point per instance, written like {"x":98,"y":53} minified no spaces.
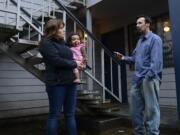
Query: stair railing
{"x":109,"y":78}
{"x":101,"y":77}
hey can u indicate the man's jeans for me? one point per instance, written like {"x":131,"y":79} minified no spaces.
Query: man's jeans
{"x":61,"y":96}
{"x":145,"y":109}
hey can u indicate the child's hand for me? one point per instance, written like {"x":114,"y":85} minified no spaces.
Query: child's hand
{"x":77,"y":42}
{"x":80,"y":66}
{"x":85,"y":61}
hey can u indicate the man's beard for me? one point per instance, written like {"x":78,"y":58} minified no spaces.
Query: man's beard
{"x":139,"y":32}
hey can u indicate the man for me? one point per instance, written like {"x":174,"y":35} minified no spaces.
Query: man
{"x":148,"y":60}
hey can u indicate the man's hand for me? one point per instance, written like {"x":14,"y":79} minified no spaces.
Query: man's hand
{"x":118,"y":55}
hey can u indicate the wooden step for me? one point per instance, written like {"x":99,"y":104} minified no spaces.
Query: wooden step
{"x":7,"y":31}
{"x":33,"y":60}
{"x":77,"y":3}
{"x":23,"y":45}
{"x":22,"y":62}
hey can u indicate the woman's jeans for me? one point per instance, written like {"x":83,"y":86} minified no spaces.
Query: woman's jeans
{"x":145,"y":109}
{"x":61,"y":96}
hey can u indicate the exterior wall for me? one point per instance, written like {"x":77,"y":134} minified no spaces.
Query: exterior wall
{"x":21,"y":94}
{"x":167,"y":89}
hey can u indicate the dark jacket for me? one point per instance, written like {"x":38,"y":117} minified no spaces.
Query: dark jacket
{"x":59,"y":63}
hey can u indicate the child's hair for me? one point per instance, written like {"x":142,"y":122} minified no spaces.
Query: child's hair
{"x":70,"y":38}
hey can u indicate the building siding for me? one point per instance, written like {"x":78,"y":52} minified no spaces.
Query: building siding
{"x":21,"y":94}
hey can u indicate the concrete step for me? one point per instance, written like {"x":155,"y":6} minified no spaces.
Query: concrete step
{"x":105,"y":106}
{"x":94,"y":98}
{"x":87,"y":92}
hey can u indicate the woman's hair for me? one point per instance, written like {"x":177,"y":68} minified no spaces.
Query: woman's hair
{"x":51,"y":27}
{"x":70,"y":38}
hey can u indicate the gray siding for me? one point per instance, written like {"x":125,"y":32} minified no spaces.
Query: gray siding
{"x":167,"y":89}
{"x":21,"y":94}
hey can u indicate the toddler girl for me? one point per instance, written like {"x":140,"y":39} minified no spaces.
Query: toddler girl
{"x":79,"y":53}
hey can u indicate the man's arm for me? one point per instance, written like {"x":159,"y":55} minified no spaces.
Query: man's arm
{"x":128,"y":59}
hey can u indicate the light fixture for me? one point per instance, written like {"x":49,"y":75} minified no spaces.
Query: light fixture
{"x":166,"y":27}
{"x":85,"y":35}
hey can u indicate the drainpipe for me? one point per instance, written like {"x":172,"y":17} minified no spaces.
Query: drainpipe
{"x":175,"y":26}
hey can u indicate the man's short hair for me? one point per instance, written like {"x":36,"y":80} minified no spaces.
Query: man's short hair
{"x":147,"y":18}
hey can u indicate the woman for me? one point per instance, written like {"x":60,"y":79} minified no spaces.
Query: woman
{"x":59,"y":77}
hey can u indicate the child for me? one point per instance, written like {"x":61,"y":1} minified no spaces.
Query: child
{"x":79,"y":53}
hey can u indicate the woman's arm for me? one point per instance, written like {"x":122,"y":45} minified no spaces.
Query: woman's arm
{"x":51,"y":56}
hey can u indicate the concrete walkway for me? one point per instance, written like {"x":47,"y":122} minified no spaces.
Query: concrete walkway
{"x":120,"y":124}
{"x":169,"y":116}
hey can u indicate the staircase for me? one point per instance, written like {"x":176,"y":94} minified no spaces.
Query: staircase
{"x":20,"y":41}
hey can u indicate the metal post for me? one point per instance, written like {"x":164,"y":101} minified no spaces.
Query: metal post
{"x":94,"y":58}
{"x":175,"y":26}
{"x":89,"y":46}
{"x":64,"y":20}
{"x":111,"y":72}
{"x":119,"y":83}
{"x":18,"y":14}
{"x":103,"y":75}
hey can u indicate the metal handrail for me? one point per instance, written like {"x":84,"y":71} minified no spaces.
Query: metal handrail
{"x":104,"y":48}
{"x":98,"y":82}
{"x":27,"y":14}
{"x":109,"y":53}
